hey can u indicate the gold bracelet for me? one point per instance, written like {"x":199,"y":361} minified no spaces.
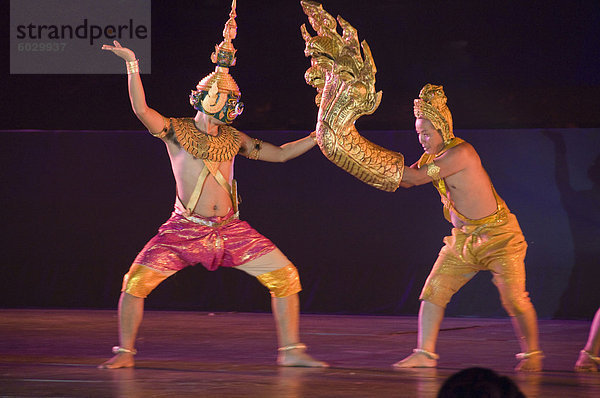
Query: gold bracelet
{"x":526,"y":355}
{"x":591,"y":356}
{"x":428,"y":354}
{"x":132,"y":67}
{"x":290,"y":347}
{"x":120,"y":350}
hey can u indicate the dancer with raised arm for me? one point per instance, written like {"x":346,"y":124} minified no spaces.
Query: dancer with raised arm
{"x":204,"y":226}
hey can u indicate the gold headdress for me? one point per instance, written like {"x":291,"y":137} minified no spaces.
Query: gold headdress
{"x":217,"y":94}
{"x":431,"y":105}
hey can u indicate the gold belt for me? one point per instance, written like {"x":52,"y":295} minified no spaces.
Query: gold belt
{"x":498,"y":217}
{"x":203,"y":221}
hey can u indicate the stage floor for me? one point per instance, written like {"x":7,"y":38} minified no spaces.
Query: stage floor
{"x":54,"y":353}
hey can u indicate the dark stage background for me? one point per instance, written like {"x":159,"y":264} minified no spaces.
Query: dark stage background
{"x":83,"y":188}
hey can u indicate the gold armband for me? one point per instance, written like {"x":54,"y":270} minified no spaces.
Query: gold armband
{"x":254,"y":151}
{"x":132,"y":67}
{"x":433,"y":171}
{"x":165,"y":131}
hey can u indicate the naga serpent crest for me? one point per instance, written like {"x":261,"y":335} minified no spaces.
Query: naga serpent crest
{"x":345,"y":83}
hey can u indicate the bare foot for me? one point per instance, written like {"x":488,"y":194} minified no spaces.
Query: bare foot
{"x":416,"y":360}
{"x":531,"y":364}
{"x":585,"y":363}
{"x":121,"y":360}
{"x":297,"y":357}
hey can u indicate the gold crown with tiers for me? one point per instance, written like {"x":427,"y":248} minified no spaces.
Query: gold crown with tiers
{"x":431,"y":105}
{"x":217,"y":94}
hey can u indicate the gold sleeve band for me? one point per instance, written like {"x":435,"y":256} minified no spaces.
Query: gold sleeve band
{"x":141,"y":280}
{"x":433,"y":171}
{"x":282,"y":282}
{"x":165,"y":131}
{"x":132,"y":67}
{"x":256,"y":147}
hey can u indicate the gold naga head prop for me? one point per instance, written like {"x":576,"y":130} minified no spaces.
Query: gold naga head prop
{"x":217,"y":94}
{"x":339,"y":56}
{"x":431,"y":105}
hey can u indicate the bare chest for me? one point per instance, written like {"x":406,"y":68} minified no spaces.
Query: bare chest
{"x":187,"y":169}
{"x":472,"y":197}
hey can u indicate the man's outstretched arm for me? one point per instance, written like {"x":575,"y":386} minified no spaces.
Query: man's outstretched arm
{"x":153,"y":120}
{"x":254,"y":148}
{"x":451,"y":162}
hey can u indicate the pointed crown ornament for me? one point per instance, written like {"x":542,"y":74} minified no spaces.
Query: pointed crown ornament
{"x":217,"y":94}
{"x":431,"y":105}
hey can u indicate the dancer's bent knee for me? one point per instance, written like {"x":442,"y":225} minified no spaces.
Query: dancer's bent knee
{"x":282,"y":282}
{"x":435,"y":296}
{"x":275,"y":272}
{"x":440,"y":287}
{"x":141,"y":280}
{"x":518,"y":305}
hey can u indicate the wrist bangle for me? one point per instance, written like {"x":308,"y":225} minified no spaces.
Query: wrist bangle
{"x":132,"y":67}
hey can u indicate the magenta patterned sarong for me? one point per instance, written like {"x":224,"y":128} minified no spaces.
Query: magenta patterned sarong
{"x":211,"y":241}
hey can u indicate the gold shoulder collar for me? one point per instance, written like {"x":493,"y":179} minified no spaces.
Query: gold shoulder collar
{"x":427,"y":158}
{"x":219,"y":148}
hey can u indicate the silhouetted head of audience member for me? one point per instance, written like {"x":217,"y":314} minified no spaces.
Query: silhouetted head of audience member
{"x":479,"y":383}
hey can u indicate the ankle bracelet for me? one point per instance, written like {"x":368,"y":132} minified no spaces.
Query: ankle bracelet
{"x":430,"y":355}
{"x":120,"y":350}
{"x":290,"y":347}
{"x":529,"y":354}
{"x":591,"y":356}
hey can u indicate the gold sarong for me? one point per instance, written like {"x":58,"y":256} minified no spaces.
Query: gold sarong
{"x":498,"y":247}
